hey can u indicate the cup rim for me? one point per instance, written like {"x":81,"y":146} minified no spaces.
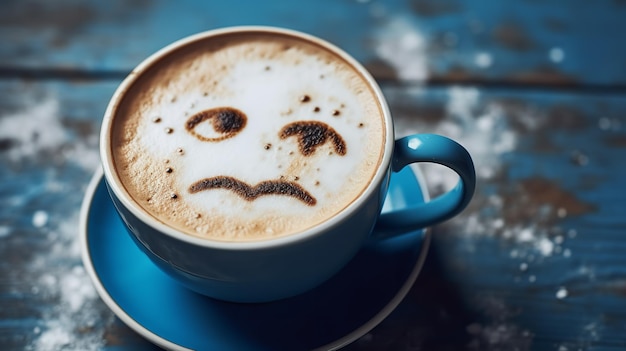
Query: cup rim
{"x":122,"y":195}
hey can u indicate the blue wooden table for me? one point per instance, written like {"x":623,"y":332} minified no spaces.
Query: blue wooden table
{"x":536,"y":90}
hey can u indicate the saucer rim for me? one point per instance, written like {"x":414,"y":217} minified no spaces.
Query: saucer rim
{"x":347,"y":339}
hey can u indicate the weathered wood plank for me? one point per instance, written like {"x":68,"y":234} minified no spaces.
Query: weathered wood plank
{"x":546,"y":43}
{"x":536,"y":261}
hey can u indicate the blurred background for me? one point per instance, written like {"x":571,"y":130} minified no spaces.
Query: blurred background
{"x":535,"y":90}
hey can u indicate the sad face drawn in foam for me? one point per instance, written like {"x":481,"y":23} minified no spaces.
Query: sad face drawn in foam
{"x":242,"y":141}
{"x":227,"y":122}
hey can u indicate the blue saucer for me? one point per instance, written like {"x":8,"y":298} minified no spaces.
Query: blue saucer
{"x":340,"y":311}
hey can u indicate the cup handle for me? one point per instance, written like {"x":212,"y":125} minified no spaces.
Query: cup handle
{"x":435,"y":149}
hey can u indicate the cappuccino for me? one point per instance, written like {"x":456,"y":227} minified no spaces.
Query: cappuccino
{"x":247,"y":136}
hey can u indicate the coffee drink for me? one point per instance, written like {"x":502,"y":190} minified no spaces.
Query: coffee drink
{"x":247,"y":136}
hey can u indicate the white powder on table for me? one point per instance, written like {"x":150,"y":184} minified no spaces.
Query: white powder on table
{"x":486,"y":130}
{"x":556,"y":54}
{"x":72,"y":317}
{"x":401,"y":44}
{"x":78,"y":320}
{"x":483,"y":60}
{"x":4,"y":231}
{"x":33,"y":130}
{"x":40,"y":219}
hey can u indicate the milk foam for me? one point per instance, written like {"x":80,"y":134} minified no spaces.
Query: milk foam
{"x":274,"y":82}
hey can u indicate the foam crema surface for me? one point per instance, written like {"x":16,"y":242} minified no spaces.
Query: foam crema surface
{"x":247,"y":136}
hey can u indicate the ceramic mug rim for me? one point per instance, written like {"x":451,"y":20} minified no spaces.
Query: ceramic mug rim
{"x":119,"y":191}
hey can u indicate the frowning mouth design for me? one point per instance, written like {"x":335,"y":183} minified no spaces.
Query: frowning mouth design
{"x":250,"y":193}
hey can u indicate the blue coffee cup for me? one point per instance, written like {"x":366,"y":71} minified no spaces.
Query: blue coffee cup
{"x":272,"y":269}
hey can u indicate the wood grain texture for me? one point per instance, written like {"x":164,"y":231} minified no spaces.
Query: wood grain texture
{"x":548,"y":43}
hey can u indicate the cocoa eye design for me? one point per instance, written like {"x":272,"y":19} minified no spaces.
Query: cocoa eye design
{"x":311,"y":134}
{"x":216,"y":124}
